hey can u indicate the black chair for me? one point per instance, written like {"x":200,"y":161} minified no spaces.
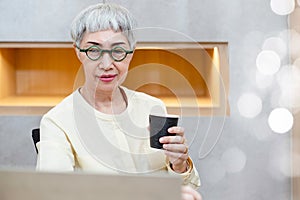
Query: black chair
{"x":36,"y":137}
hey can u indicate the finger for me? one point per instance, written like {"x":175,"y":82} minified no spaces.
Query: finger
{"x":178,"y":164}
{"x":188,"y":190}
{"x":178,"y":148}
{"x":176,"y":158}
{"x":185,"y":196}
{"x":172,"y":140}
{"x":176,"y":130}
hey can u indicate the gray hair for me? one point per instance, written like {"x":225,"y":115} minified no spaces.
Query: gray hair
{"x":103,"y":16}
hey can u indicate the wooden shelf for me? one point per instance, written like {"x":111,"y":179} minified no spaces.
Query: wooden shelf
{"x":37,"y":104}
{"x":31,"y":100}
{"x":28,"y":105}
{"x":188,"y":77}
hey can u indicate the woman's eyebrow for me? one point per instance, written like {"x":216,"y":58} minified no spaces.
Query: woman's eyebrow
{"x":112,"y":44}
{"x":94,"y":43}
{"x":117,"y":43}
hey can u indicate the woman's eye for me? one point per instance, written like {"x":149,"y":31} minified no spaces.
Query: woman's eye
{"x":118,"y":51}
{"x":93,"y":50}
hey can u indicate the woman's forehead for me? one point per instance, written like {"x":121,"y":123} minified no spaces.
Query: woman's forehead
{"x":104,"y":37}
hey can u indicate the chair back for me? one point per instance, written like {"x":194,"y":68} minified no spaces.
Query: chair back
{"x":36,"y":137}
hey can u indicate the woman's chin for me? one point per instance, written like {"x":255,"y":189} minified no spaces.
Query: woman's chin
{"x":106,"y":87}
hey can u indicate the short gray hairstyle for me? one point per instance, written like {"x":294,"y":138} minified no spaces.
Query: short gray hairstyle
{"x":103,"y":16}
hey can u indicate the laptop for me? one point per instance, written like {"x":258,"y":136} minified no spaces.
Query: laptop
{"x":32,"y":185}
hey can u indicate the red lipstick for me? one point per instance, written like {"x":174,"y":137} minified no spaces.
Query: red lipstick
{"x":107,"y":77}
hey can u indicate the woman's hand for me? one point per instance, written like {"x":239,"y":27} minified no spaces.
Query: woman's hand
{"x":189,"y":193}
{"x":176,"y":149}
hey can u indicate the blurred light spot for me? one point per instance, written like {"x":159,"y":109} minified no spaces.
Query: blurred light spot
{"x":280,"y":120}
{"x":249,"y":105}
{"x":284,"y":164}
{"x":277,"y":45}
{"x":288,"y":79}
{"x":294,"y":18}
{"x":234,"y":160}
{"x":262,"y":131}
{"x":268,"y":62}
{"x":284,"y":33}
{"x":274,"y":98}
{"x":297,"y":63}
{"x":298,"y":2}
{"x":282,"y":7}
{"x":280,"y":158}
{"x":263,"y":81}
{"x":294,"y":44}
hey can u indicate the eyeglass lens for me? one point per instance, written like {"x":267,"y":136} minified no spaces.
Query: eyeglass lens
{"x":117,"y":53}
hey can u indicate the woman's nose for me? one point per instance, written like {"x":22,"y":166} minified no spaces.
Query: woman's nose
{"x":106,"y":61}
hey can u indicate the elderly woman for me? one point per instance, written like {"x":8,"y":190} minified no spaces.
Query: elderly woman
{"x":102,"y":126}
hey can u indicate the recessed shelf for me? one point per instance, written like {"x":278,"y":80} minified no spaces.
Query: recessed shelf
{"x":188,"y":77}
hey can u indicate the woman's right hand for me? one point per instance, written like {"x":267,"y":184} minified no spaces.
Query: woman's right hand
{"x":189,"y":193}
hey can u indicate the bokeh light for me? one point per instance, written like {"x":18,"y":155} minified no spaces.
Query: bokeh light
{"x":249,"y":105}
{"x":294,"y":44}
{"x":268,"y":62}
{"x":282,"y":7}
{"x":281,"y":120}
{"x":234,"y":160}
{"x":284,"y":164}
{"x":294,"y":19}
{"x":280,"y":161}
{"x":262,"y":131}
{"x":288,"y":79}
{"x":263,"y":81}
{"x":276,"y":44}
{"x":297,"y":63}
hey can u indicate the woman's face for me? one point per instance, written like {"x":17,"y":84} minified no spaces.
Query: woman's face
{"x":104,"y":74}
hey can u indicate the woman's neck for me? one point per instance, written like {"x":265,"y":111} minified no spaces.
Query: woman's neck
{"x":112,"y":102}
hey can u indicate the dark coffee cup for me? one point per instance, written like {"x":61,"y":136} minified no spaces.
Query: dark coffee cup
{"x":159,"y":127}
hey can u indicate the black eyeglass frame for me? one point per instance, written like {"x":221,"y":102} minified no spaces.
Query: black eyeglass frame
{"x":101,"y":51}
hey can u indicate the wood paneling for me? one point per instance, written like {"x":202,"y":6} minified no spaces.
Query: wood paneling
{"x":7,"y":73}
{"x":35,"y":77}
{"x":161,"y":69}
{"x":45,"y":71}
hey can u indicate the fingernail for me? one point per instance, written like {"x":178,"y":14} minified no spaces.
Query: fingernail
{"x":161,"y":140}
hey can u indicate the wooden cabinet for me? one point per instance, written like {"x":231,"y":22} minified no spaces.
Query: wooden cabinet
{"x":191,"y":78}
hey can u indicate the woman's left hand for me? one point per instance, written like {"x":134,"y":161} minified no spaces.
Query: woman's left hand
{"x":176,"y":149}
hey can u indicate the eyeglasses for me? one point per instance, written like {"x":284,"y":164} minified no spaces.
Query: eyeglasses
{"x":117,"y":53}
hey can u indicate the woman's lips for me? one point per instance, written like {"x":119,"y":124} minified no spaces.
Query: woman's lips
{"x":107,"y":78}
